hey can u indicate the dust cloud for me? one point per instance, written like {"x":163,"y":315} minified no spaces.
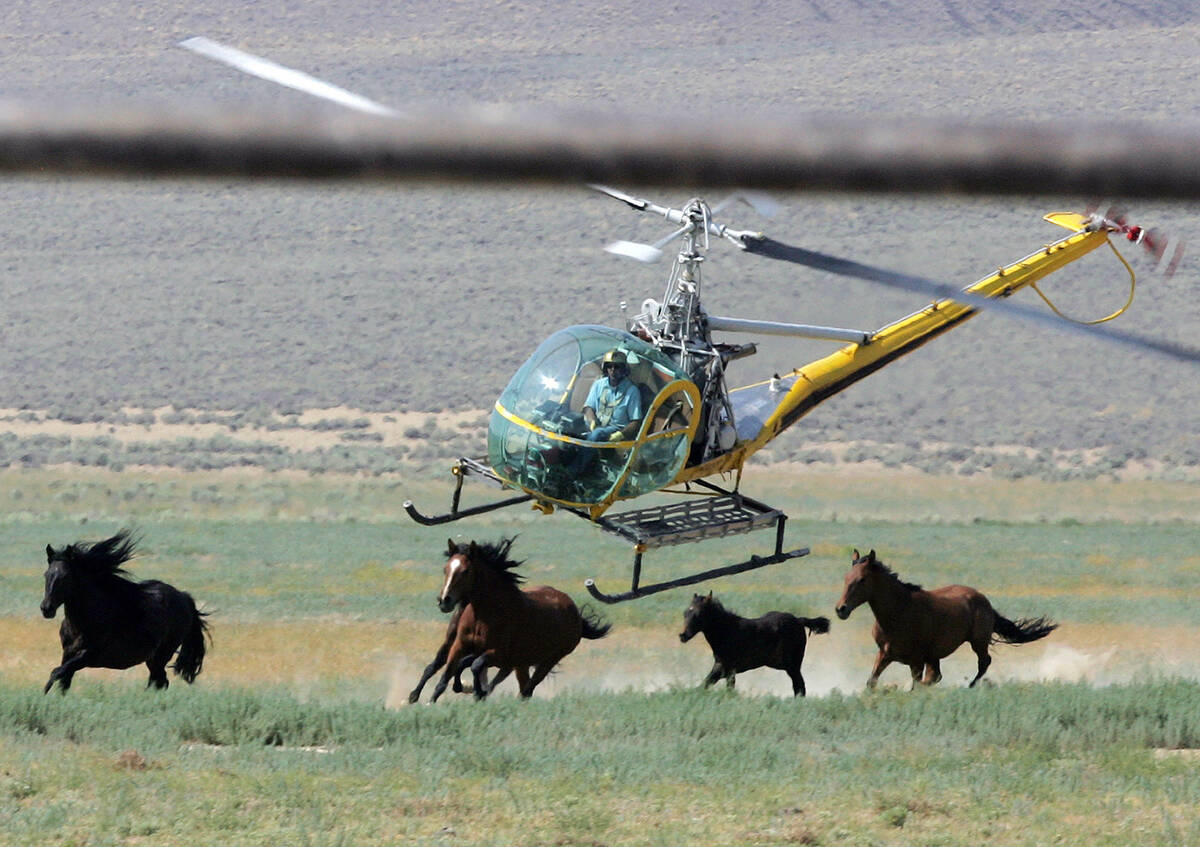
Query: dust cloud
{"x":841,"y":665}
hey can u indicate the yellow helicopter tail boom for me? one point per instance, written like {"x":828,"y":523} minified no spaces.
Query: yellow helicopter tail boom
{"x":821,"y":379}
{"x":837,"y":371}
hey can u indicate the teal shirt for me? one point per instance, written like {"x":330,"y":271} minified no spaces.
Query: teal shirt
{"x":615,"y":407}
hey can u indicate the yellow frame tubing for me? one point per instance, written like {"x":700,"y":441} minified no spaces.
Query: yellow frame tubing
{"x":821,"y":379}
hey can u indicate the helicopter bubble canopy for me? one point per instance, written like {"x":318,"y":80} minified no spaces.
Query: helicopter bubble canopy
{"x":537,"y":434}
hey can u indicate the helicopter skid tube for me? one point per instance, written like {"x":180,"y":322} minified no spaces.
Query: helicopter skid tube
{"x":637,"y":591}
{"x":459,"y":514}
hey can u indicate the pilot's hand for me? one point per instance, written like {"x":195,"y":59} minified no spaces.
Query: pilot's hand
{"x":617,"y":436}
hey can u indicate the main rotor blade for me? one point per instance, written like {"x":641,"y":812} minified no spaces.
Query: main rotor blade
{"x":289,"y":77}
{"x":845,"y":267}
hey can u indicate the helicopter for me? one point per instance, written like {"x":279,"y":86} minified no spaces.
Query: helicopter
{"x":694,"y":424}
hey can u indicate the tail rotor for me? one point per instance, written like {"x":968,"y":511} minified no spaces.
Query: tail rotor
{"x":1164,"y":250}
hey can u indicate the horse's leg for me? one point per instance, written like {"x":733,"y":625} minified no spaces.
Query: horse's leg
{"x":797,"y":661}
{"x":157,"y":664}
{"x":158,"y":674}
{"x":981,"y":651}
{"x":458,"y":687}
{"x":716,"y":673}
{"x":455,"y":663}
{"x":479,"y":672}
{"x":522,"y":679}
{"x":71,"y":662}
{"x":933,"y":673}
{"x":539,"y":673}
{"x":500,"y":676}
{"x":881,"y":661}
{"x":430,"y":669}
{"x":916,"y":670}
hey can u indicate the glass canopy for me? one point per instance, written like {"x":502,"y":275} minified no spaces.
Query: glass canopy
{"x":536,"y":436}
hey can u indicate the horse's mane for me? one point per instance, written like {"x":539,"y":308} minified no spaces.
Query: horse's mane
{"x":102,"y":558}
{"x":911,"y":586}
{"x":495,"y":556}
{"x":716,"y":607}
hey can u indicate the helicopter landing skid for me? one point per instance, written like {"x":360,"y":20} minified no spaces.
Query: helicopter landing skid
{"x":729,"y":513}
{"x":461,"y":469}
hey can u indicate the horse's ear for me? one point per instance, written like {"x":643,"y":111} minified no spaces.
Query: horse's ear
{"x":473,"y":550}
{"x":49,"y":553}
{"x":854,"y":561}
{"x":710,"y":596}
{"x":453,"y":548}
{"x":871,"y":558}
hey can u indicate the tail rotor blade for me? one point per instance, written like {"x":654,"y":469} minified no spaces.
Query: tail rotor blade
{"x":1176,"y":258}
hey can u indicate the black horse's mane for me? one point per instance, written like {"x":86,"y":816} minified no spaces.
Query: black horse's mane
{"x":102,"y":558}
{"x":495,"y":556}
{"x":716,"y":607}
{"x":911,"y":586}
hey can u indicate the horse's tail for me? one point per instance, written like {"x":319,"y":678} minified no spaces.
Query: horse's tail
{"x":1021,"y":631}
{"x":594,"y":626}
{"x":817,"y":626}
{"x":190,"y":660}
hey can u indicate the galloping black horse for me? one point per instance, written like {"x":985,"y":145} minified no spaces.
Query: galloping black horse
{"x":776,"y":640}
{"x":113,"y":621}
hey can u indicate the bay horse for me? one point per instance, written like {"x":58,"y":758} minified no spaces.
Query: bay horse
{"x":776,"y":640}
{"x":439,"y":658}
{"x":919,"y":628}
{"x":515,"y":630}
{"x":112,"y":621}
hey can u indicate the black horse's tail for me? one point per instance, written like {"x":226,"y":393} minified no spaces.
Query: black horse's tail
{"x":1021,"y":631}
{"x":817,"y":626}
{"x":190,"y":660}
{"x":594,"y":626}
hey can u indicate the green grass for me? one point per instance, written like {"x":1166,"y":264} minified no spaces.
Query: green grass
{"x":1009,"y":764}
{"x":323,"y":592}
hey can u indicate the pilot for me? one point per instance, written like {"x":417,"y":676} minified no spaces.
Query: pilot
{"x":613,"y":408}
{"x":612,"y":411}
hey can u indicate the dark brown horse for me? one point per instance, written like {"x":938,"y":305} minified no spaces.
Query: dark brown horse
{"x":526,"y":632}
{"x":112,"y":621}
{"x":776,"y":640}
{"x":920,"y":628}
{"x":439,"y":658}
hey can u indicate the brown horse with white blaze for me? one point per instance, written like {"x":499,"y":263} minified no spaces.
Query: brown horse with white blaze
{"x":515,"y":630}
{"x":919,"y":628}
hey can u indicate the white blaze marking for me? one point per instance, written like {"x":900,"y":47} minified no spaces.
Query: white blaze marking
{"x":451,"y":569}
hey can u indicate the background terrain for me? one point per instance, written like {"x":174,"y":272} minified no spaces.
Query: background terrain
{"x":215,"y":296}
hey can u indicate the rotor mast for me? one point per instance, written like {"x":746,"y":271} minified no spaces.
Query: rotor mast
{"x":679,"y":325}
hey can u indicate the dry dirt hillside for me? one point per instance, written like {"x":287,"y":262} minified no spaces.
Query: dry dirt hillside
{"x":286,"y":298}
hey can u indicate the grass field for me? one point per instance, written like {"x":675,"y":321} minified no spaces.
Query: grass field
{"x":298,"y":731}
{"x":1014,"y":764}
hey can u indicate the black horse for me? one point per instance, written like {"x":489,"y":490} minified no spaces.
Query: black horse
{"x":113,"y":621}
{"x":776,"y":640}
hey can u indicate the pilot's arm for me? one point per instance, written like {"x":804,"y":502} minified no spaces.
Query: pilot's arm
{"x":589,"y":405}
